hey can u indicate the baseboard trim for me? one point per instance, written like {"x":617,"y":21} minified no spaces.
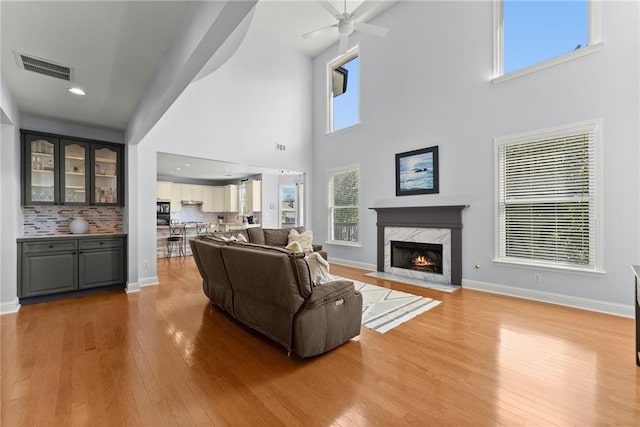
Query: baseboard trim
{"x":149,"y":281}
{"x":141,"y":283}
{"x":10,"y":307}
{"x":350,"y":263}
{"x":553,"y":298}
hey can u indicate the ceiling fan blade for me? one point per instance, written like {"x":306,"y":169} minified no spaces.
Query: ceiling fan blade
{"x":318,"y":31}
{"x":363,"y":9}
{"x":344,"y":44}
{"x":330,"y":8}
{"x":375,"y":30}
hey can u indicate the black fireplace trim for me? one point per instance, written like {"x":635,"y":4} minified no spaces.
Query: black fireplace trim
{"x":424,"y":217}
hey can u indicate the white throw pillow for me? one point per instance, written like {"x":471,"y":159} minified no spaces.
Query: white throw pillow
{"x":241,"y":238}
{"x":304,"y":239}
{"x":294,"y":246}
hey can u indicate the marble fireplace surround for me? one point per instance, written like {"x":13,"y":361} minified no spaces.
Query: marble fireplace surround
{"x":445,"y":220}
{"x":440,"y":236}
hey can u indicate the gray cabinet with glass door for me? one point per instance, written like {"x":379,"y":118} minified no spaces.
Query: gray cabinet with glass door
{"x":60,"y":170}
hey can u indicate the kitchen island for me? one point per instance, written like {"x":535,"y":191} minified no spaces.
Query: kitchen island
{"x":190,"y":230}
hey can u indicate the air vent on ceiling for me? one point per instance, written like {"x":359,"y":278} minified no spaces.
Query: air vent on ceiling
{"x":43,"y":66}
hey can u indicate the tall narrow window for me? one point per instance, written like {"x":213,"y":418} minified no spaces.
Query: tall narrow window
{"x":548,"y":197}
{"x":532,"y":32}
{"x":344,"y":205}
{"x":344,"y":92}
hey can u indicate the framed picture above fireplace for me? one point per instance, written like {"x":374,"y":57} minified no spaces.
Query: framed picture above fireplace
{"x":417,"y":172}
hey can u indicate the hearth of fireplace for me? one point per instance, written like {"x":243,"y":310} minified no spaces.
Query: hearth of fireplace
{"x":417,"y":256}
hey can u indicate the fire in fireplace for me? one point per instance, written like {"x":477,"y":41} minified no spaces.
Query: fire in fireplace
{"x":426,"y":257}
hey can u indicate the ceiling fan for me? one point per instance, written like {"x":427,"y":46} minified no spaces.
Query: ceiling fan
{"x":349,"y":22}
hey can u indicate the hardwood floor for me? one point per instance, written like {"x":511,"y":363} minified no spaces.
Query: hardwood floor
{"x":164,"y":356}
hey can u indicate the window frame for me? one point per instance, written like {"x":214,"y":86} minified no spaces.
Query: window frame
{"x":594,"y":126}
{"x":594,"y":43}
{"x":352,"y":53}
{"x":331,"y":173}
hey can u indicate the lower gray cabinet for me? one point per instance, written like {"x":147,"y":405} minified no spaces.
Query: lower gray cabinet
{"x":48,"y":267}
{"x":101,"y":263}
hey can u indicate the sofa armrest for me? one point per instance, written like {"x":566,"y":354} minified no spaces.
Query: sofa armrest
{"x":316,"y":247}
{"x":327,"y":292}
{"x":330,"y":317}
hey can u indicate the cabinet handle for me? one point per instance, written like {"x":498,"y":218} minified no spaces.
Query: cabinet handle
{"x":73,"y":253}
{"x":102,"y":243}
{"x":50,"y":246}
{"x":80,"y":252}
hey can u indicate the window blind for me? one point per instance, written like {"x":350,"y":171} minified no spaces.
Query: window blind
{"x":344,"y":205}
{"x":547,"y":200}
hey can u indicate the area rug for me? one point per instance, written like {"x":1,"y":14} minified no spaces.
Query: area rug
{"x":383,"y":309}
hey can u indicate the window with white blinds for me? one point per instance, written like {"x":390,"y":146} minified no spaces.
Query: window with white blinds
{"x":548,"y":197}
{"x":344,"y":205}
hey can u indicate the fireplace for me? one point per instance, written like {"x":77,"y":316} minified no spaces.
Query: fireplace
{"x":439,"y":228}
{"x":425,"y":257}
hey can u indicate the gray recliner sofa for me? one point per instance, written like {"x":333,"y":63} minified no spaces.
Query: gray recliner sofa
{"x":269,"y":289}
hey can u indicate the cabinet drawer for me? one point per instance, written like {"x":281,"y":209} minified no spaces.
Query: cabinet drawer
{"x":49,"y":246}
{"x":101,"y":243}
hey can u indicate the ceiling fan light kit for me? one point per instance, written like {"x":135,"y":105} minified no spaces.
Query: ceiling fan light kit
{"x":349,"y":22}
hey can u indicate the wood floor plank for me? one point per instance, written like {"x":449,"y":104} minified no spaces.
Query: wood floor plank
{"x":165,"y":357}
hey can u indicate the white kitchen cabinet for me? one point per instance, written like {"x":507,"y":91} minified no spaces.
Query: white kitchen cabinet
{"x":176,"y":197}
{"x":185,"y":192}
{"x":253,"y":196}
{"x":163,"y":190}
{"x":207,"y":198}
{"x":196,"y":192}
{"x":191,"y":192}
{"x":231,"y":198}
{"x":218,"y":199}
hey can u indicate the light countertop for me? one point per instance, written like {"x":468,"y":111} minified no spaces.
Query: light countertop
{"x":70,"y":236}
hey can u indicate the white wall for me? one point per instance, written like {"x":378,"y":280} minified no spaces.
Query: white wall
{"x":260,"y":97}
{"x":269,"y":201}
{"x":428,"y":83}
{"x":10,"y":214}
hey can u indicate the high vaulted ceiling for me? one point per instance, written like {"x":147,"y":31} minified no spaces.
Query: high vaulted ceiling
{"x":115,"y":48}
{"x":288,"y":20}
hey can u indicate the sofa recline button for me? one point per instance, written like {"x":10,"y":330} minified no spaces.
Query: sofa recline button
{"x":340,"y":302}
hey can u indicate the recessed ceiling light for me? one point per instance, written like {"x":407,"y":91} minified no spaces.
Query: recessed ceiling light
{"x":177,"y":169}
{"x":77,"y":91}
{"x":187,"y":164}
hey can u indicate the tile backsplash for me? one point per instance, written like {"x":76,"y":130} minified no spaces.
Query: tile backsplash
{"x":53,"y":220}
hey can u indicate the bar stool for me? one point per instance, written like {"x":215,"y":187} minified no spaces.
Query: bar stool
{"x":175,"y":240}
{"x":202,"y":229}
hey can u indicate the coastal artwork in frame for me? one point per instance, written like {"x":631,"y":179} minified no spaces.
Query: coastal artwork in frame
{"x":417,"y":172}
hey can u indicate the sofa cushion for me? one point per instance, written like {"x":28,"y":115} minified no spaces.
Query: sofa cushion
{"x":276,"y":237}
{"x":256,"y":235}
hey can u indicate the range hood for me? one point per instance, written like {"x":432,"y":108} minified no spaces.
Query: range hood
{"x":191,"y":202}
